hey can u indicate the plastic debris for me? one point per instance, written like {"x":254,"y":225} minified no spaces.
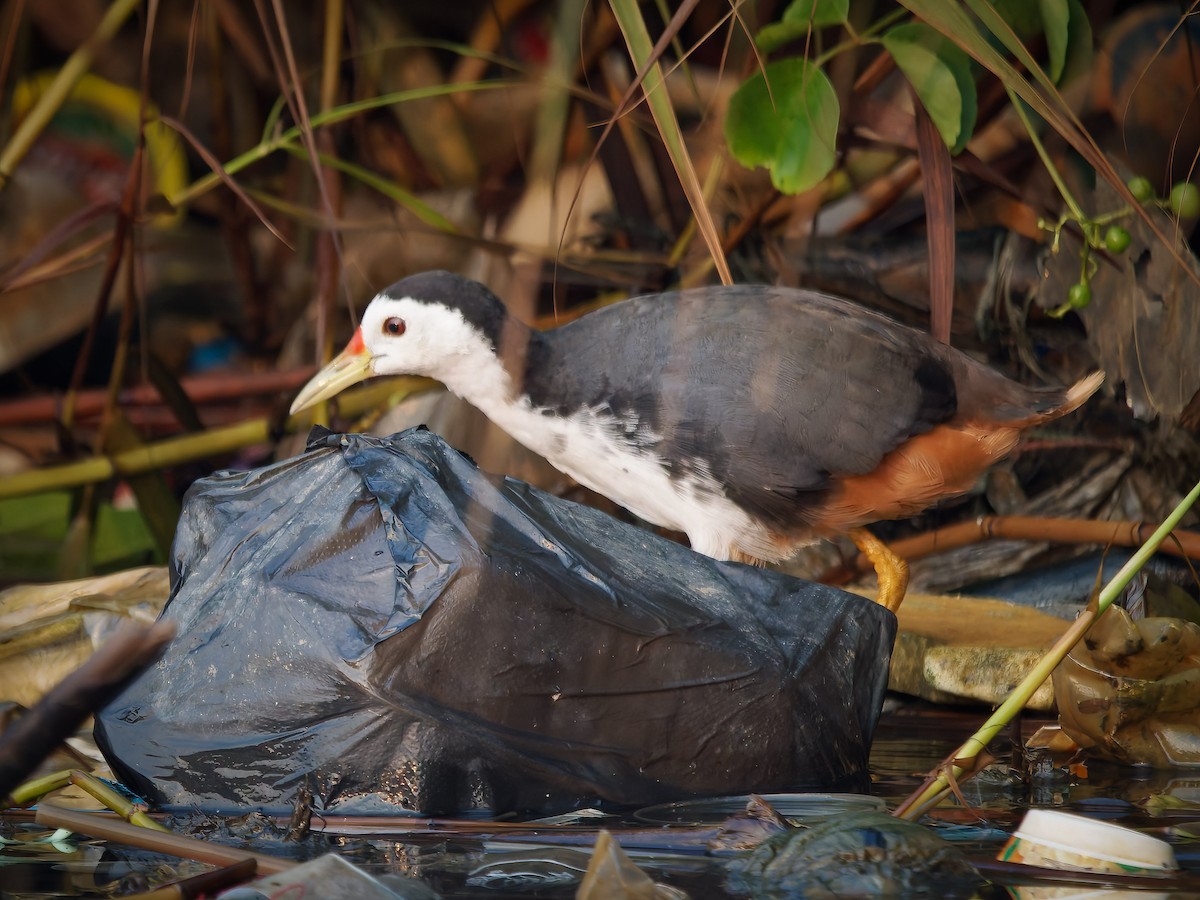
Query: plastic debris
{"x":382,"y":623}
{"x":612,"y":875}
{"x":1130,"y":690}
{"x":870,"y":854}
{"x":330,"y":876}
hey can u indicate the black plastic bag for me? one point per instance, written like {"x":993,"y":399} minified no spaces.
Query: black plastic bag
{"x":382,"y":622}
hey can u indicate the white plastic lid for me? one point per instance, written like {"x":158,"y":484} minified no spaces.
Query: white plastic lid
{"x":1091,"y":837}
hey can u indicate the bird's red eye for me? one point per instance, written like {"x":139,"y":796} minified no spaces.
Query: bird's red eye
{"x":394,"y":326}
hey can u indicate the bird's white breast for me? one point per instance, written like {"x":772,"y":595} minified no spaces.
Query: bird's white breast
{"x":610,"y":455}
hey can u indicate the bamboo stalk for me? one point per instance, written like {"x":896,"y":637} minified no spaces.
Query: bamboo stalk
{"x":30,"y":790}
{"x":160,"y":455}
{"x":114,"y":800}
{"x":957,"y":763}
{"x":68,"y":76}
{"x":174,"y":451}
{"x":331,"y":52}
{"x":200,"y":389}
{"x":160,"y":842}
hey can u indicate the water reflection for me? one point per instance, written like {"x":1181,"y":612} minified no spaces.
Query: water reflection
{"x":460,"y":865}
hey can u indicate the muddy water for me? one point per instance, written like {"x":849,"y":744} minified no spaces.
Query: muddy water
{"x":909,"y":743}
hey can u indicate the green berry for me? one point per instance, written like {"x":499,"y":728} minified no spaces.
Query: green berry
{"x":1185,"y":200}
{"x":1116,"y":239}
{"x":1079,"y":296}
{"x":1141,"y":188}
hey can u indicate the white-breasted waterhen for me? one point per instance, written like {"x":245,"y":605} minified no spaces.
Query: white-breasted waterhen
{"x":755,"y":419}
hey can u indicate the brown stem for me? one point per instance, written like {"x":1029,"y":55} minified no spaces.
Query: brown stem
{"x":111,"y":266}
{"x":160,"y":842}
{"x":1022,"y":528}
{"x":200,"y":389}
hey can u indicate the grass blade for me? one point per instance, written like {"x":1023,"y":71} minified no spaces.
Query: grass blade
{"x":645,"y":57}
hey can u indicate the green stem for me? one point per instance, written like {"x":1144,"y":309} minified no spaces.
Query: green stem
{"x":390,"y":189}
{"x":883,"y":22}
{"x":1121,"y":580}
{"x":822,"y":58}
{"x":1019,"y":106}
{"x":1114,"y":216}
{"x":938,"y":787}
{"x":329,"y":117}
{"x":28,"y":791}
{"x":859,"y":39}
{"x":114,"y":800}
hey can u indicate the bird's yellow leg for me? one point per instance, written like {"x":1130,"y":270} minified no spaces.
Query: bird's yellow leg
{"x":890,"y":570}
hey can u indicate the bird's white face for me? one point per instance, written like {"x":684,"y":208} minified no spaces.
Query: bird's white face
{"x":406,"y":336}
{"x":409,"y":337}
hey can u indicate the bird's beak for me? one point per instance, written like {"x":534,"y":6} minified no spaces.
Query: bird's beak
{"x":349,"y":367}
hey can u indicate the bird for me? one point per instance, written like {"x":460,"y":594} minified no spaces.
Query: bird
{"x":755,"y":419}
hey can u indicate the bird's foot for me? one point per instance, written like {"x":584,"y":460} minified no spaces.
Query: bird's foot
{"x":890,"y":570}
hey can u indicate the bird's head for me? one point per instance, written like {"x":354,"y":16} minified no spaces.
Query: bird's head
{"x":435,"y":324}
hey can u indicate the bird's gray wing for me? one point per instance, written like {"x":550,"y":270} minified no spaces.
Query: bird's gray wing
{"x":772,"y":392}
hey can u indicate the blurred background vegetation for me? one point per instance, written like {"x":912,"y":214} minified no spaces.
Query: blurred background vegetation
{"x":197,"y":198}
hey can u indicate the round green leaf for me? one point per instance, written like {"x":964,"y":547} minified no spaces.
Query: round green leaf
{"x":785,"y":118}
{"x":940,"y":73}
{"x":798,"y":18}
{"x":817,"y":13}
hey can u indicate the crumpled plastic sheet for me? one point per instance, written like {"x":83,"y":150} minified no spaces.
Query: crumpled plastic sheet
{"x":381,"y":623}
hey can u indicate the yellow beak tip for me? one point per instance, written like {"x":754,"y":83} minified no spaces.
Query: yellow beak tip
{"x":346,"y":369}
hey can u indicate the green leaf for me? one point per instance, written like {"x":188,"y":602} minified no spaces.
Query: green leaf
{"x":1023,"y":17}
{"x":1079,"y":44}
{"x":44,"y":515}
{"x":32,"y":530}
{"x":1066,"y":29}
{"x":798,"y":18}
{"x":771,"y":37}
{"x":817,"y":13}
{"x":790,"y":127}
{"x":1055,"y":23}
{"x":953,"y":20}
{"x":390,"y":189}
{"x":121,"y":536}
{"x":940,"y":73}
